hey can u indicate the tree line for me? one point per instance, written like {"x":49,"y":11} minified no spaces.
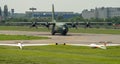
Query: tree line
{"x":5,"y":12}
{"x":5,"y":15}
{"x":115,"y":20}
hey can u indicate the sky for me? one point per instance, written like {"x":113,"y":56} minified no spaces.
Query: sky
{"x":76,"y":6}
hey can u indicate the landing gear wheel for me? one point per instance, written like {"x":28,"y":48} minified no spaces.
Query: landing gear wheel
{"x":53,"y":32}
{"x":64,"y":33}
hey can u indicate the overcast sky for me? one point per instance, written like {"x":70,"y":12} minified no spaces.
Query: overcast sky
{"x":60,"y":5}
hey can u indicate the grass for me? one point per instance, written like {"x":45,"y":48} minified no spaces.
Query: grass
{"x":79,"y":30}
{"x":23,"y":28}
{"x":96,"y":31}
{"x":56,"y":54}
{"x":59,"y":55}
{"x":20,"y":37}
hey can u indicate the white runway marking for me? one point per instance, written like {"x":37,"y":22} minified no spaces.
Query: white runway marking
{"x":54,"y":44}
{"x":90,"y":45}
{"x":25,"y":44}
{"x":20,"y":45}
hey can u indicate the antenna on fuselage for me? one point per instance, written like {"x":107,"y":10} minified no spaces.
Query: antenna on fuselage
{"x":53,"y":14}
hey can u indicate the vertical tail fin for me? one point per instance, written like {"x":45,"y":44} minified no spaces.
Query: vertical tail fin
{"x":53,"y":14}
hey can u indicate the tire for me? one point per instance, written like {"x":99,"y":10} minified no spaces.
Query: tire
{"x":53,"y":31}
{"x":64,"y":33}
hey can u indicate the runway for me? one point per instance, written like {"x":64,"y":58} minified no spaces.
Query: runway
{"x":73,"y":38}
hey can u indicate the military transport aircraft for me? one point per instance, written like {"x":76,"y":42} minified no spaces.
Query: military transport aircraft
{"x":58,"y":27}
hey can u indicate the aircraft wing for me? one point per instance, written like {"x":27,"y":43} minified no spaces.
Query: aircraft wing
{"x":28,"y":23}
{"x":83,"y":23}
{"x":107,"y":23}
{"x":86,"y":24}
{"x":31,"y":24}
{"x":18,"y":22}
{"x":47,"y":24}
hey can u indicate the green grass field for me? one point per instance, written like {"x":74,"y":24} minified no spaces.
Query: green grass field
{"x":79,"y":30}
{"x":96,"y":31}
{"x":20,"y":37}
{"x":59,"y":54}
{"x":56,"y":54}
{"x":23,"y":28}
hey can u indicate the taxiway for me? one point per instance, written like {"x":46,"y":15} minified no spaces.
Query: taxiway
{"x":74,"y":38}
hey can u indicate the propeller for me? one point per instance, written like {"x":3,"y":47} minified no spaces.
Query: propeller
{"x":34,"y":24}
{"x":87,"y":25}
{"x":74,"y":25}
{"x":47,"y":25}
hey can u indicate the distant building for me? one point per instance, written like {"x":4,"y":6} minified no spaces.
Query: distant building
{"x":12,"y":13}
{"x":101,"y":13}
{"x":40,"y":14}
{"x":44,"y":14}
{"x":19,"y":15}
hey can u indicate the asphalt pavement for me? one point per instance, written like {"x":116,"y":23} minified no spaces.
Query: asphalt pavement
{"x":73,"y":38}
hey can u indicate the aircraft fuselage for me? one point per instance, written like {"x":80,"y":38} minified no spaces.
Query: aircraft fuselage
{"x":59,"y":28}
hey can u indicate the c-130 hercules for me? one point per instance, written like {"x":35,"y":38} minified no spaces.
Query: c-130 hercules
{"x":58,"y":27}
{"x":62,"y":27}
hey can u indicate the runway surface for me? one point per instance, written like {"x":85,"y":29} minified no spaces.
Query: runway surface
{"x":74,"y":38}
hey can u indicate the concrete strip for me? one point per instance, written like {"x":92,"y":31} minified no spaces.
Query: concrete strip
{"x":71,"y":38}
